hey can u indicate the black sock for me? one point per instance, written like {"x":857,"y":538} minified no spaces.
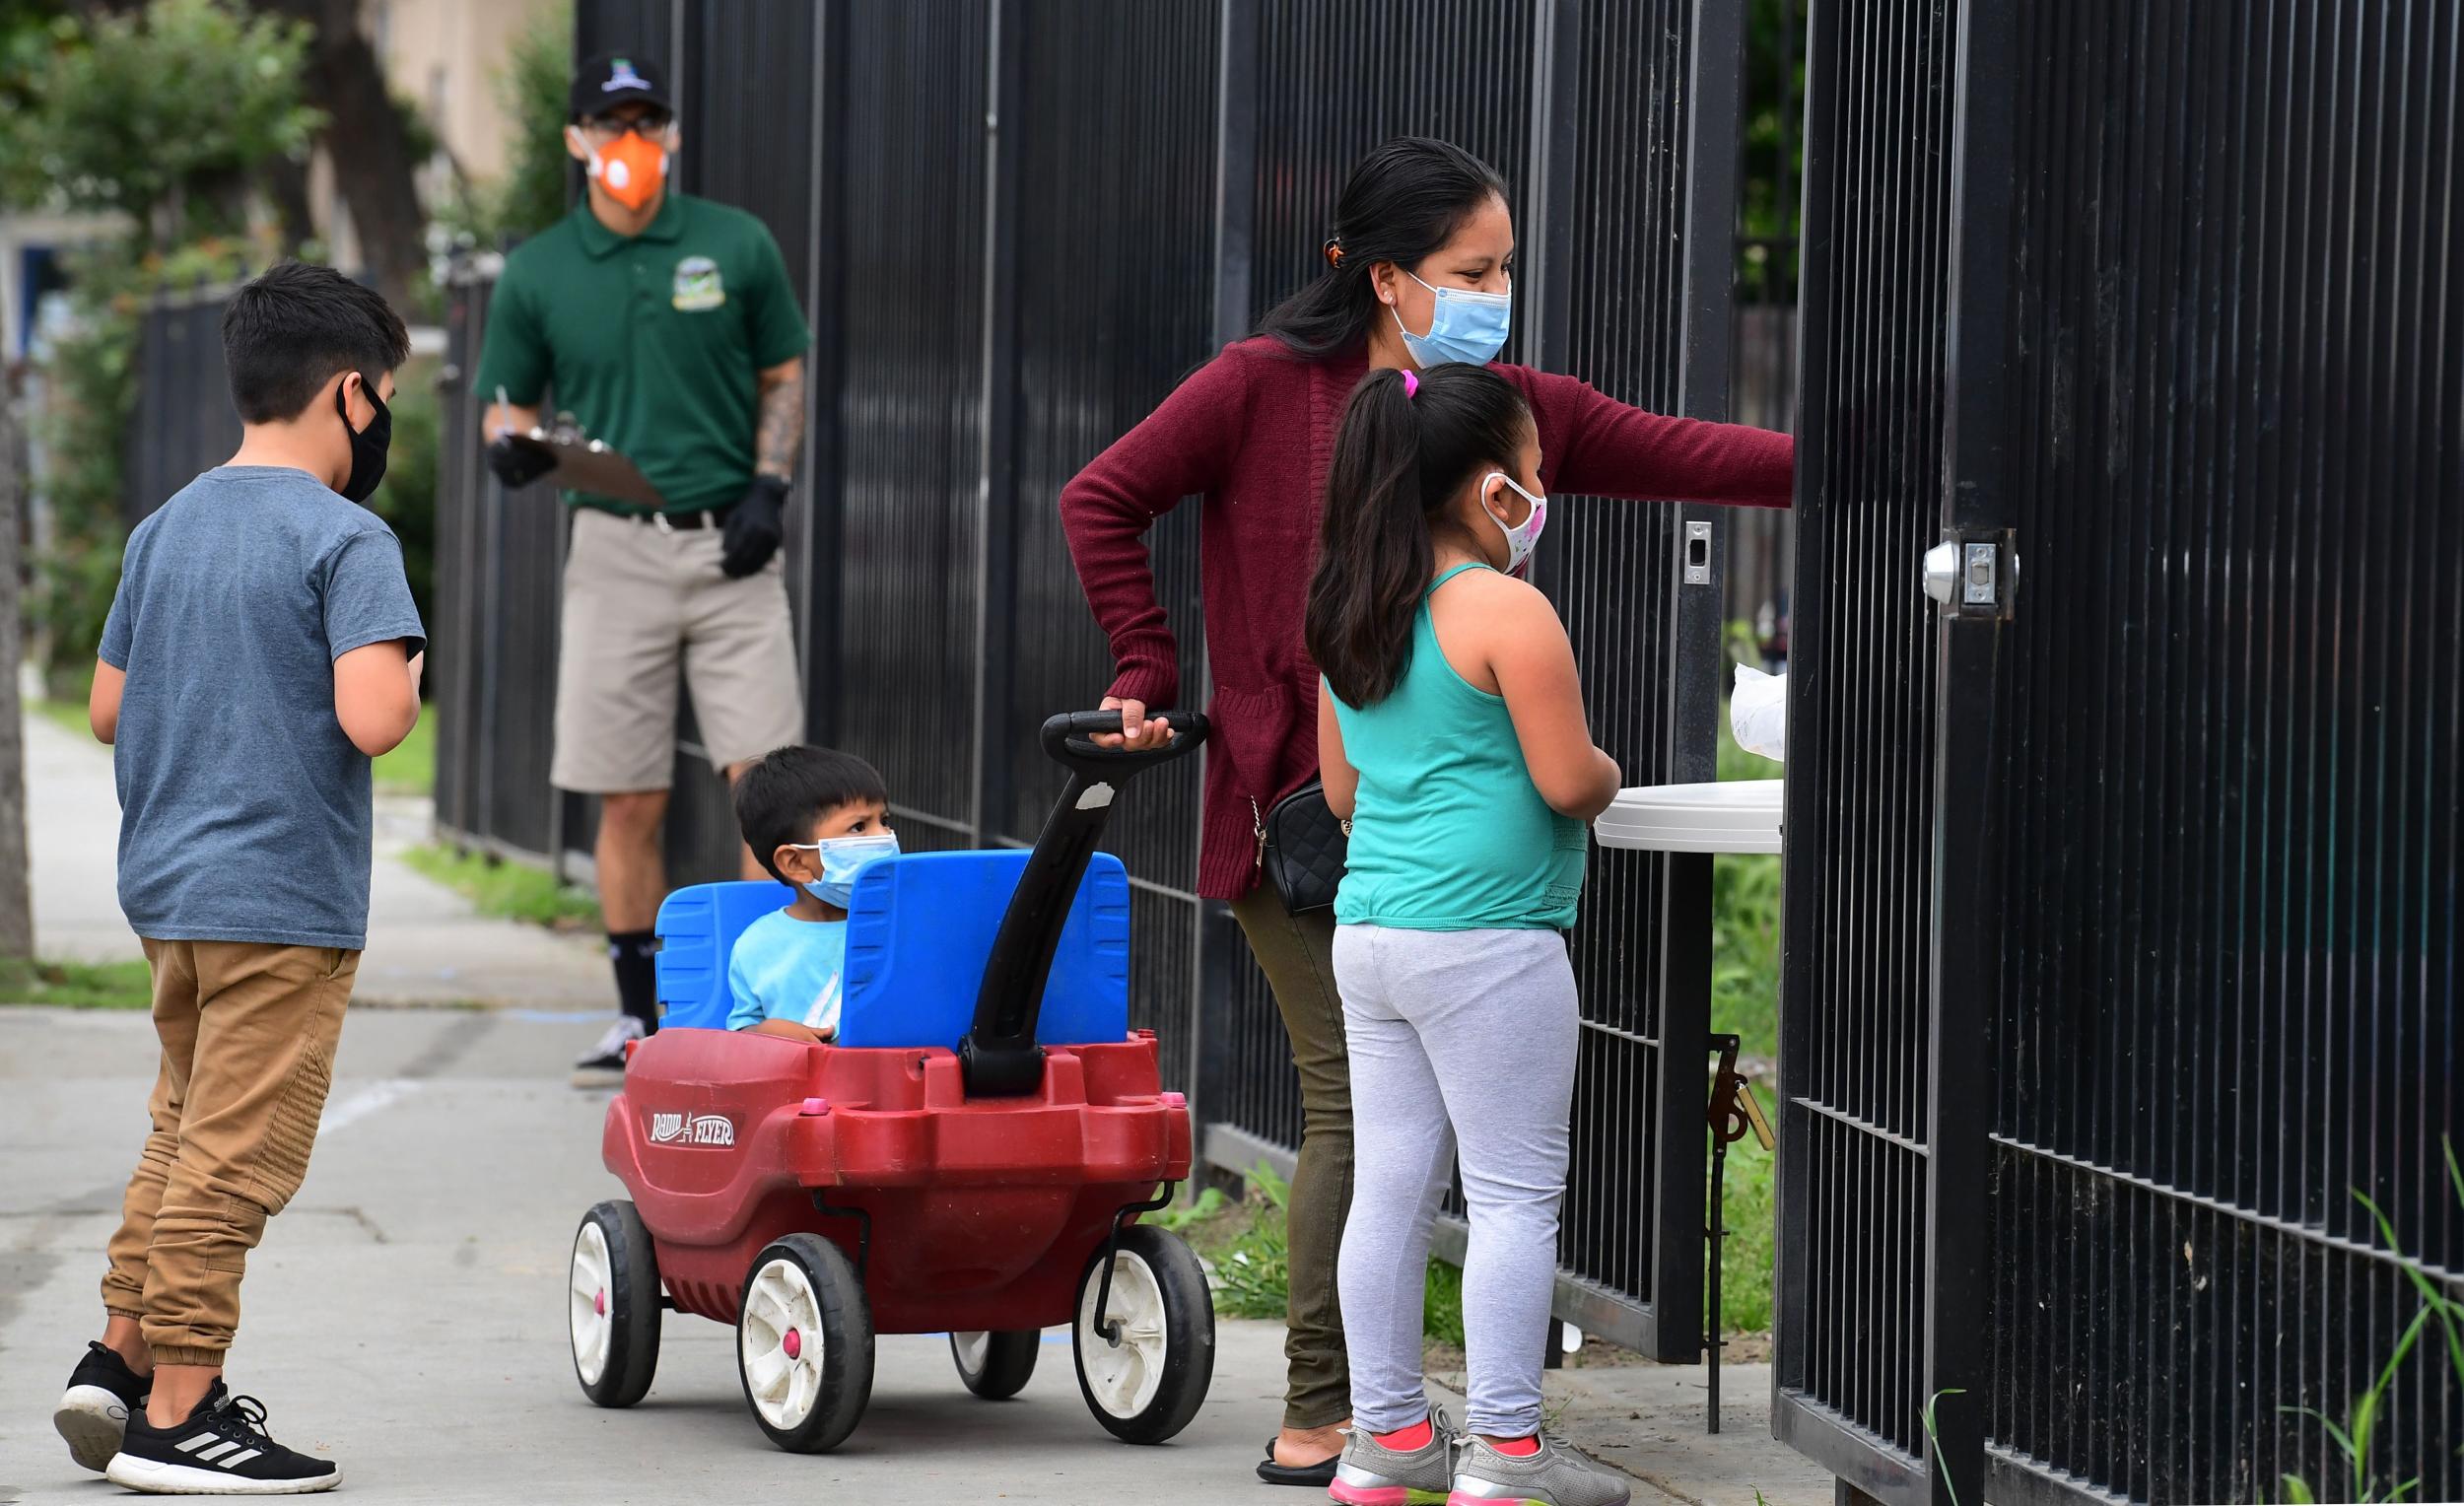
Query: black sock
{"x":636,"y":974}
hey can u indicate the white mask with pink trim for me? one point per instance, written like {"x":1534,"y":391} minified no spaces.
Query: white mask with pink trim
{"x":1522,"y":537}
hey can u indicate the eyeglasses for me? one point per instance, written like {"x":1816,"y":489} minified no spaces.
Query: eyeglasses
{"x":602,"y":130}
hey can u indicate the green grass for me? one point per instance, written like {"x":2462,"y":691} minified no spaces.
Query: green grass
{"x":1746,"y":950}
{"x":510,"y":890}
{"x":1441,"y":1305}
{"x":1752,"y":1239}
{"x":1745,"y":1003}
{"x":68,"y":715}
{"x":1745,"y":923}
{"x":78,"y":984}
{"x":1246,"y":1243}
{"x":411,"y":769}
{"x":2354,"y":1436}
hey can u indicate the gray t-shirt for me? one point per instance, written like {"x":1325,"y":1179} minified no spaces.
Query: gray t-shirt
{"x":244,"y":809}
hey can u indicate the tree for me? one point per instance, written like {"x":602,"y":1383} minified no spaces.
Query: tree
{"x":369,"y":139}
{"x":164,"y":115}
{"x":533,"y":86}
{"x":16,"y":919}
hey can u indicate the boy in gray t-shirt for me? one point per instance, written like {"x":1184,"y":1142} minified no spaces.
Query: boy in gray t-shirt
{"x":261,"y":649}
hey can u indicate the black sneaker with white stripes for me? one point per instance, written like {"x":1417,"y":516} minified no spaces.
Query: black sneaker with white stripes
{"x":221,"y":1449}
{"x":103,"y":1394}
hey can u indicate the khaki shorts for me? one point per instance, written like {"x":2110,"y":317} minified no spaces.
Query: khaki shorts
{"x":639,"y":602}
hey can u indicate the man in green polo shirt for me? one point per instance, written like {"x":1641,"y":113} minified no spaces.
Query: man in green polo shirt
{"x":666,"y":325}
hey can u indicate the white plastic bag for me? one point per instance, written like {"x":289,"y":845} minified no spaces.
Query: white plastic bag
{"x":1757,"y":712}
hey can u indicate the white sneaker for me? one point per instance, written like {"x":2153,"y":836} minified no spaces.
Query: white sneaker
{"x":604,"y":1065}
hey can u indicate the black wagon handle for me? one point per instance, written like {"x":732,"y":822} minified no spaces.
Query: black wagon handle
{"x":1069,"y":740}
{"x":1000,"y":1057}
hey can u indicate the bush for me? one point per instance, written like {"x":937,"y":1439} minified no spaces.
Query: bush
{"x":89,"y":392}
{"x":160,"y":114}
{"x":407,"y":497}
{"x":532,"y":85}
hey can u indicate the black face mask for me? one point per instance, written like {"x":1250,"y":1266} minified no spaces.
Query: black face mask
{"x":367,"y":446}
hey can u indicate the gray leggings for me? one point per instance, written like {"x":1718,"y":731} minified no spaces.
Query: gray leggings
{"x":1461,"y":1042}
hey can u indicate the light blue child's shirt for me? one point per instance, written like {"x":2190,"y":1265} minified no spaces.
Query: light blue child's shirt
{"x":787,"y":969}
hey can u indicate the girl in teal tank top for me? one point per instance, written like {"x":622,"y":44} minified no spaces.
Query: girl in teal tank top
{"x":1450,"y":833}
{"x":1449,"y":727}
{"x":1451,"y":734}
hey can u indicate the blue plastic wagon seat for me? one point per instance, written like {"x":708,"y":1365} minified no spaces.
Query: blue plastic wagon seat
{"x":919,"y":930}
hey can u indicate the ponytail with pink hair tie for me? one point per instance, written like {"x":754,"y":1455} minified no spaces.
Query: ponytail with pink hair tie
{"x":1411,"y":387}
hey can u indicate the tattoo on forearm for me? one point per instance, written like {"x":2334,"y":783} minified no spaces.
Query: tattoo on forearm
{"x":781,"y":430}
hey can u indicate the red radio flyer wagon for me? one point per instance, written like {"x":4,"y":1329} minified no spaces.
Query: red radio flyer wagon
{"x":968,"y":1155}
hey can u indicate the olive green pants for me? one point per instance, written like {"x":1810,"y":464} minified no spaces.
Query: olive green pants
{"x":1298,"y":955}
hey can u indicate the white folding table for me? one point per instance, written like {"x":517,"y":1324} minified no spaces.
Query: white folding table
{"x":1734,"y":816}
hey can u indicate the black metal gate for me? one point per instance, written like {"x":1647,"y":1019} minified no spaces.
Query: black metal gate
{"x":2123,"y":884}
{"x":1017,"y":224}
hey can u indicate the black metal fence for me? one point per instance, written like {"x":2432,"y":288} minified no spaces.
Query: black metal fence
{"x":2122,"y":888}
{"x":183,"y":421}
{"x":2120,"y":897}
{"x":1017,"y":223}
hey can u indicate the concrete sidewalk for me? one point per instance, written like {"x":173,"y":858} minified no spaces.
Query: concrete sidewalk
{"x":406,"y":1315}
{"x":425,"y":945}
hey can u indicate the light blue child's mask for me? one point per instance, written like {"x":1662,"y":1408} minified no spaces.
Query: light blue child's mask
{"x":840,"y":857}
{"x":1466,"y":326}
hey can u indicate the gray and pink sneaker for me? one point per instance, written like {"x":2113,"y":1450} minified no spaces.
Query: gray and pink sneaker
{"x":1556,"y":1475}
{"x":1371,"y":1475}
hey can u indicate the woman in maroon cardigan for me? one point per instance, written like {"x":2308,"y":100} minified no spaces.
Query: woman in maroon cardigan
{"x":1417,"y":271}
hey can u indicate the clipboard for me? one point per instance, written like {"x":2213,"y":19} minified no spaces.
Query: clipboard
{"x":586,"y":464}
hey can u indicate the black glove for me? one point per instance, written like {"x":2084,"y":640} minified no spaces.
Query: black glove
{"x":518,"y":465}
{"x":754,"y":528}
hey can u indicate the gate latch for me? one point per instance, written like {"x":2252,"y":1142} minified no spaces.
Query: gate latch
{"x":1965,"y":572}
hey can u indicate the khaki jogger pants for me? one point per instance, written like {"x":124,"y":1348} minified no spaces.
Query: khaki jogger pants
{"x":248,"y":1032}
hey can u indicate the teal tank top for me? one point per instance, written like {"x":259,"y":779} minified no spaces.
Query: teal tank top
{"x":1448,"y":832}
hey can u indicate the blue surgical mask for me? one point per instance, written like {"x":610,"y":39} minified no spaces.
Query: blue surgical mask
{"x":1464,"y":326}
{"x":840,"y":857}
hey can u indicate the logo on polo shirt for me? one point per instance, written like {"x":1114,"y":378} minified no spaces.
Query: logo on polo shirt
{"x":620,"y":75}
{"x":697,"y":284}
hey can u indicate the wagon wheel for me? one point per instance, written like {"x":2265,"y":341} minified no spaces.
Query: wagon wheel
{"x":805,"y":1344}
{"x":612,"y":1305}
{"x":995,"y":1365}
{"x":1145,"y":1378}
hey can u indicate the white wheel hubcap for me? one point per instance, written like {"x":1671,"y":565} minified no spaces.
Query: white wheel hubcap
{"x":972,"y":1349}
{"x":589,"y":1302}
{"x":780,"y":1338}
{"x":1123,"y":1376}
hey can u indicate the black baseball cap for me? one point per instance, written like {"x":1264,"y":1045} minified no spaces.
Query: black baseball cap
{"x":618,"y":78}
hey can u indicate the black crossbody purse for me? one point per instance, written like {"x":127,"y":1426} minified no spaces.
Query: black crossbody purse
{"x":1302,"y":845}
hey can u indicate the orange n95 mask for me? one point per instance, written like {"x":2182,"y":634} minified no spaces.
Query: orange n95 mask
{"x":629,"y":168}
